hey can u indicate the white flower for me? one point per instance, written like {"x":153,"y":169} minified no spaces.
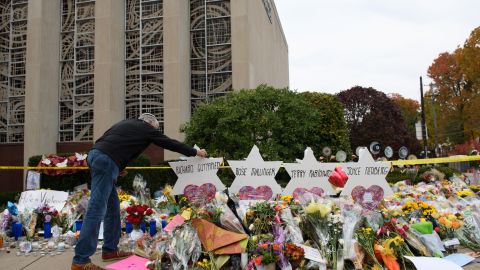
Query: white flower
{"x":46,"y":161}
{"x":221,"y":197}
{"x":62,"y":164}
{"x":80,"y":156}
{"x":251,"y":227}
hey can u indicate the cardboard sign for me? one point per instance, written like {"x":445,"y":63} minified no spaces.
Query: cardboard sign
{"x":312,"y":254}
{"x":196,"y":171}
{"x":366,"y":180}
{"x":307,"y":174}
{"x":130,"y":263}
{"x":33,"y":180}
{"x":428,"y":263}
{"x":255,"y":175}
{"x":34,"y":198}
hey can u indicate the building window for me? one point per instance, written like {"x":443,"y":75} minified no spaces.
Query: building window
{"x":77,"y":67}
{"x":144,"y":58}
{"x":13,"y":44}
{"x":211,"y":50}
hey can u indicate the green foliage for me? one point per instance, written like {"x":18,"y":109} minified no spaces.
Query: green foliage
{"x":280,"y":122}
{"x":399,"y":174}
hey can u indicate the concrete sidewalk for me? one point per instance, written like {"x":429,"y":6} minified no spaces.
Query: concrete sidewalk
{"x":62,"y":262}
{"x":58,"y":262}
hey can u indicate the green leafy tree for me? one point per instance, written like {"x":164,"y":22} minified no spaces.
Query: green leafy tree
{"x":333,"y":127}
{"x":280,"y":122}
{"x":410,"y":110}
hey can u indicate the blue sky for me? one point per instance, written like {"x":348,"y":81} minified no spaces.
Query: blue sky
{"x":385,"y":44}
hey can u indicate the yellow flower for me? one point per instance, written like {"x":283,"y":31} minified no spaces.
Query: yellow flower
{"x":322,"y":209}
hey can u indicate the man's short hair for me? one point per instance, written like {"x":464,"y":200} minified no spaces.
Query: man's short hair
{"x":150,"y":119}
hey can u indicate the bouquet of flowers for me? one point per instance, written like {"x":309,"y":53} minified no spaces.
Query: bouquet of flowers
{"x":260,"y":217}
{"x":45,"y":213}
{"x":366,"y":238}
{"x":322,"y":223}
{"x":294,"y":254}
{"x":265,"y":254}
{"x":77,"y":160}
{"x":184,"y":246}
{"x":138,"y":213}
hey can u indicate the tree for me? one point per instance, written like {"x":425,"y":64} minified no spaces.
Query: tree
{"x":280,"y":122}
{"x":410,"y":110}
{"x":333,"y":127}
{"x":372,"y":116}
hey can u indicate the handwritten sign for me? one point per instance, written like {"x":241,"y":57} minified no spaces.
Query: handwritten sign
{"x":254,"y":172}
{"x":366,"y":180}
{"x":309,"y":173}
{"x":34,"y":198}
{"x":196,"y":171}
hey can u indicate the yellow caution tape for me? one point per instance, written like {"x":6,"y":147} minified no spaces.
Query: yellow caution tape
{"x":434,"y":160}
{"x":394,"y":163}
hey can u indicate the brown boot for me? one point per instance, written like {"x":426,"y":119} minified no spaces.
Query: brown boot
{"x":115,"y":255}
{"x":86,"y":266}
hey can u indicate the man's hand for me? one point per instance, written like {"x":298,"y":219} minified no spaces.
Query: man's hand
{"x":122,"y":173}
{"x":202,"y":153}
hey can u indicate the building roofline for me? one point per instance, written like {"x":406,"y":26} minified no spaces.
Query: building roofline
{"x":277,"y":18}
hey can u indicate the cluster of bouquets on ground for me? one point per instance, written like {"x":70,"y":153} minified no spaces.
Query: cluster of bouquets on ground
{"x":212,"y":229}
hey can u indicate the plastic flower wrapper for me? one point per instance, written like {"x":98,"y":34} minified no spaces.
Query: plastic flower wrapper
{"x":292,"y":226}
{"x":12,"y":208}
{"x":184,"y":246}
{"x":429,"y":238}
{"x":29,"y":221}
{"x":351,"y":216}
{"x":472,"y":226}
{"x":139,"y":185}
{"x":279,"y":236}
{"x":229,"y":221}
{"x":5,"y":220}
{"x":374,"y":219}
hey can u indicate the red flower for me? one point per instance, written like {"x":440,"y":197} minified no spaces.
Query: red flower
{"x":149,"y":212}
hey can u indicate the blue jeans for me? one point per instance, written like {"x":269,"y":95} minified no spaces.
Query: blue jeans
{"x":103,"y":205}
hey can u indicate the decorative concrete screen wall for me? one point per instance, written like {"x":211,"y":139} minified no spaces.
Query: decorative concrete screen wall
{"x":13,"y":47}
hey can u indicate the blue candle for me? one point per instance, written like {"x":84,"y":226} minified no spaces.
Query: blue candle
{"x":153,"y":227}
{"x":142,"y":226}
{"x":164,"y":223}
{"x":78,"y":225}
{"x":17,"y":230}
{"x":47,"y":230}
{"x":128,"y":227}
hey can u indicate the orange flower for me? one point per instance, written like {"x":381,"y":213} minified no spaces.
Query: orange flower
{"x":456,"y":224}
{"x":258,"y":260}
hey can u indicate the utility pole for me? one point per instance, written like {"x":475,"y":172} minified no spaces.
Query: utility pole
{"x":434,"y":117}
{"x":424,"y":130}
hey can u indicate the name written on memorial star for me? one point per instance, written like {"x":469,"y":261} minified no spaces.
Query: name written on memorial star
{"x":367,"y":170}
{"x":255,"y":171}
{"x":211,"y":166}
{"x":310,"y":173}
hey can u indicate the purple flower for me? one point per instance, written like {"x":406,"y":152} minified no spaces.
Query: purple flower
{"x":48,"y":218}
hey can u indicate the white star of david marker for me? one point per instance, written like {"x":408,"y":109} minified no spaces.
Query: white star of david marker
{"x":366,"y":172}
{"x":196,"y":171}
{"x":309,"y":173}
{"x":255,"y":172}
